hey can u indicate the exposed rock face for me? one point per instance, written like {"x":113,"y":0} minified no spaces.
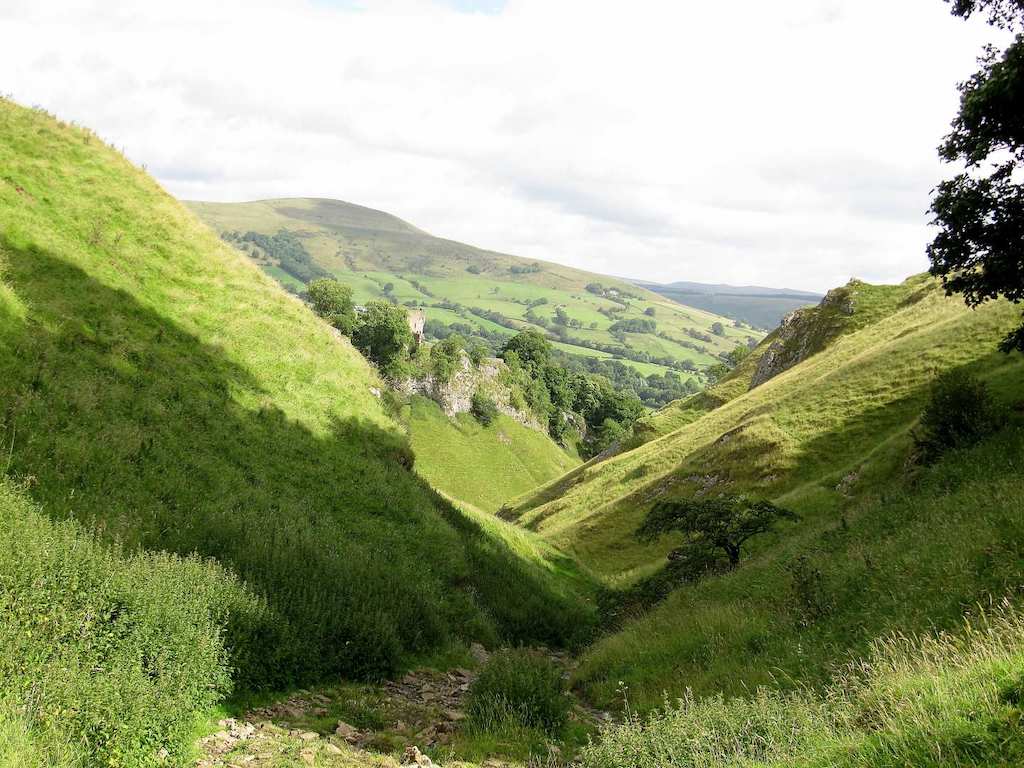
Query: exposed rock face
{"x":803,"y":333}
{"x":456,"y":396}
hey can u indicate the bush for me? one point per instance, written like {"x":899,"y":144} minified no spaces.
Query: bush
{"x":382,"y":334}
{"x":115,"y":654}
{"x":483,"y":409}
{"x":445,"y":357}
{"x":518,"y":689}
{"x":960,"y":413}
{"x":333,"y":302}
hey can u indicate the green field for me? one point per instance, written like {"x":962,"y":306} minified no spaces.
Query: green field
{"x":482,"y":466}
{"x":369,"y":249}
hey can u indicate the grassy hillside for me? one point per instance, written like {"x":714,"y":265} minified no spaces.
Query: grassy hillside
{"x":164,"y":392}
{"x":942,"y":700}
{"x":488,"y":291}
{"x":844,"y":413}
{"x":483,"y":466}
{"x":879,"y":546}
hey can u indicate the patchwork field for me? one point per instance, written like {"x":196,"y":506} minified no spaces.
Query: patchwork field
{"x":381,"y":256}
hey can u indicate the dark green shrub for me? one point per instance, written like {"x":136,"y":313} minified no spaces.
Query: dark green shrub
{"x":519,"y":688}
{"x":446,"y":356}
{"x":382,"y":334}
{"x":960,"y":413}
{"x":118,"y":654}
{"x":483,"y":409}
{"x":333,"y":302}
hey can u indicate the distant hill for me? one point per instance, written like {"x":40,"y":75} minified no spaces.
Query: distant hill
{"x":602,"y":321}
{"x":759,"y":306}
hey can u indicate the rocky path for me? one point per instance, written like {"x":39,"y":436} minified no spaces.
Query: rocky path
{"x":351,"y":726}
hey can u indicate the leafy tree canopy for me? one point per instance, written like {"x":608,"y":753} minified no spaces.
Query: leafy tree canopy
{"x":724,"y":523}
{"x":531,"y":347}
{"x":979,"y":249}
{"x":333,"y":302}
{"x":382,"y":334}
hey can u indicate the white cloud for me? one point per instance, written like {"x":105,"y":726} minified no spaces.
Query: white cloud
{"x":773,"y":143}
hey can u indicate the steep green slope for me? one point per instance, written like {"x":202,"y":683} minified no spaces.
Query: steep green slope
{"x":483,"y":466}
{"x":912,"y":556}
{"x":881,"y":545}
{"x":492,"y":292}
{"x":833,"y":426}
{"x":167,"y":394}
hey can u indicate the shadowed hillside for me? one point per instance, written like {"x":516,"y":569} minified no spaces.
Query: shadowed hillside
{"x":159,"y":389}
{"x":881,"y":543}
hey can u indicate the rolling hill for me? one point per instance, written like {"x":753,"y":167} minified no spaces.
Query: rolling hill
{"x":756,"y":305}
{"x":166,"y":394}
{"x":888,"y":546}
{"x":588,"y":316}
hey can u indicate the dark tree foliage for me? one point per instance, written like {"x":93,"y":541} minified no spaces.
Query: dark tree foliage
{"x":382,"y":334}
{"x":531,"y":346}
{"x":333,"y":302}
{"x":445,"y":357}
{"x":979,"y":250}
{"x":483,"y":409}
{"x":634,"y":325}
{"x":290,"y":253}
{"x":551,"y":388}
{"x":723,"y":523}
{"x":1001,"y":13}
{"x":960,"y":412}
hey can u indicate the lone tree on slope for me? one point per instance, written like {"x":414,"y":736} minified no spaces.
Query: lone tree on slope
{"x":724,"y":523}
{"x":979,"y":250}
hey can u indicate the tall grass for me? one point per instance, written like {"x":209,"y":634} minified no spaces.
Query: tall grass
{"x":104,"y":657}
{"x":910,"y":558}
{"x":943,"y":700}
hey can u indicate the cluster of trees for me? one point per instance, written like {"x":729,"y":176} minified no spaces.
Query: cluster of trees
{"x":563,"y":319}
{"x":285,"y":248}
{"x":634,"y":325}
{"x":516,"y":269}
{"x":615,"y":294}
{"x":446,"y":355}
{"x":381,"y":331}
{"x":654,"y":391}
{"x":566,"y":398}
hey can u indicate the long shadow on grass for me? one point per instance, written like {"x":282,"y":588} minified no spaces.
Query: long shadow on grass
{"x":123,"y":420}
{"x":862,"y":462}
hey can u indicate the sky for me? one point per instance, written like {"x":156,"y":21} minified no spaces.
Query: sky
{"x":787,"y":144}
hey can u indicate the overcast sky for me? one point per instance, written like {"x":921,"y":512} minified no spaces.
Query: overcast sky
{"x":788,"y":143}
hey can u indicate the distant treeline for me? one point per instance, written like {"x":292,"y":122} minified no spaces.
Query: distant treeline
{"x":654,"y":390}
{"x":285,"y":248}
